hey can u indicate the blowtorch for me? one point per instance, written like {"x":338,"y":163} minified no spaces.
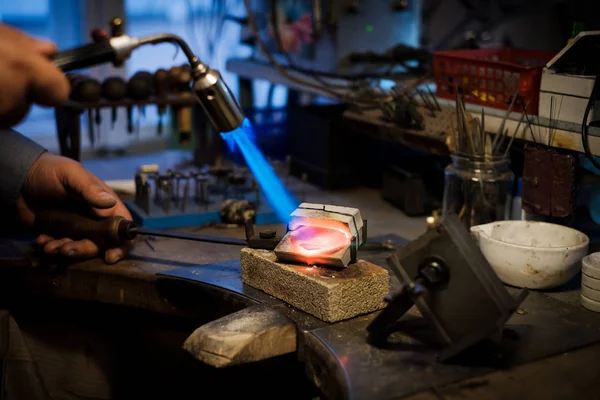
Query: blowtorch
{"x":219,"y":104}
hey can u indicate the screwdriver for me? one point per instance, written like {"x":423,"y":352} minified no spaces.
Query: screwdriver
{"x":64,"y":224}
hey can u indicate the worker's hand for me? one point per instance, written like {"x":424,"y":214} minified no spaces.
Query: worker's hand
{"x":58,"y":182}
{"x":27,"y":75}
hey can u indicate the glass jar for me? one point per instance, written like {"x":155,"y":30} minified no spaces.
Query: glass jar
{"x":478,"y":189}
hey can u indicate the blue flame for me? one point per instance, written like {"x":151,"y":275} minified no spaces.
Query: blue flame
{"x":275,"y":192}
{"x":250,"y":134}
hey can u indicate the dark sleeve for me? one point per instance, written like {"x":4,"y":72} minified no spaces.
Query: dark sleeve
{"x":17,"y":154}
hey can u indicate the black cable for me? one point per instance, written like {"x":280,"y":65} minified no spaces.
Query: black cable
{"x":584,"y":128}
{"x":348,"y":77}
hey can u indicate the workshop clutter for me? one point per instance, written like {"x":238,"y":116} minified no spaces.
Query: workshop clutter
{"x":478,"y":183}
{"x":192,"y":196}
{"x":570,"y":78}
{"x":487,"y":76}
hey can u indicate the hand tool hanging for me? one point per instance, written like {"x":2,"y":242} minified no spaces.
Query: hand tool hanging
{"x":140,"y":88}
{"x":163,"y":84}
{"x":114,"y":89}
{"x":86,"y":89}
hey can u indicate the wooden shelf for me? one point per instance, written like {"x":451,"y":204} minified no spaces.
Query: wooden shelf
{"x":170,"y":100}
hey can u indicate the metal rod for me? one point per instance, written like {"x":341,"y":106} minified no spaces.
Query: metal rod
{"x":508,"y":111}
{"x":515,"y":134}
{"x":191,"y":236}
{"x":437,"y":104}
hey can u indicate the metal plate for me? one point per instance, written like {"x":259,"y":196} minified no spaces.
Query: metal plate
{"x":345,"y":365}
{"x":361,"y":371}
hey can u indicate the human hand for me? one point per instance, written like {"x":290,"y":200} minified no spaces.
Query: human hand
{"x":27,"y":75}
{"x":58,"y":182}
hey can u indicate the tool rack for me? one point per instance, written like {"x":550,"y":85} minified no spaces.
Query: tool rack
{"x":68,"y":117}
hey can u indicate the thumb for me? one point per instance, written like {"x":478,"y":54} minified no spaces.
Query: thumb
{"x":85,"y":185}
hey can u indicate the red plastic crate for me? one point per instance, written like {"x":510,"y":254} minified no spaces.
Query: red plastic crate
{"x":487,"y":76}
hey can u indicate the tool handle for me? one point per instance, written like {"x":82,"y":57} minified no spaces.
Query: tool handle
{"x":85,"y":56}
{"x":63,"y":224}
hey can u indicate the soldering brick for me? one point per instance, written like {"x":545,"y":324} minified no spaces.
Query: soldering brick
{"x":327,"y":293}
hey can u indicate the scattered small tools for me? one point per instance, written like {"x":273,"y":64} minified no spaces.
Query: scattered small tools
{"x":178,"y":176}
{"x":256,"y":188}
{"x":186,"y":189}
{"x":202,"y":189}
{"x":237,"y":181}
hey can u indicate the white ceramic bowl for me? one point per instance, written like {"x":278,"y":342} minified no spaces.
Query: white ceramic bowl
{"x":533,"y":255}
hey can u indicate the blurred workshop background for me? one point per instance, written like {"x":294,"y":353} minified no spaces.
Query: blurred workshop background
{"x":321,"y":108}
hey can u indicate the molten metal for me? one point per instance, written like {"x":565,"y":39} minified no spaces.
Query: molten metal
{"x":320,"y":234}
{"x":315,"y":241}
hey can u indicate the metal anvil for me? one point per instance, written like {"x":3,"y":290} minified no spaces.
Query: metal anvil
{"x":319,"y":234}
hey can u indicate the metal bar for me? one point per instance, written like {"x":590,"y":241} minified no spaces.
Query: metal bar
{"x":192,"y":236}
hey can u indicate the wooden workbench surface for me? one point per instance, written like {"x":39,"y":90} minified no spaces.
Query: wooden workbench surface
{"x":133,"y":283}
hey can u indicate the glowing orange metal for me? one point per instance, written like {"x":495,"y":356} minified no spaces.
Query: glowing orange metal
{"x":315,"y":237}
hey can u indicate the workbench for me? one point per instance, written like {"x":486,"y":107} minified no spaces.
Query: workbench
{"x":182,"y":280}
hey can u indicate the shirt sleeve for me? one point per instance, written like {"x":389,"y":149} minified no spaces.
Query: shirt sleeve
{"x":17,"y":155}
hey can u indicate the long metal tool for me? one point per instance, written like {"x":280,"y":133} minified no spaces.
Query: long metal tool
{"x":188,"y":236}
{"x":63,"y":224}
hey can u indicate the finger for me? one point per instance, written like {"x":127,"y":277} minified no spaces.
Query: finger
{"x":43,"y":239}
{"x":44,"y":47}
{"x":85,"y":184}
{"x":115,"y":255}
{"x":119,"y":209}
{"x":49,"y":85}
{"x":54,"y":246}
{"x":80,"y":249}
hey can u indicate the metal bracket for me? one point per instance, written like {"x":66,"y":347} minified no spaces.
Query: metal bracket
{"x":264,"y":240}
{"x":434,"y":271}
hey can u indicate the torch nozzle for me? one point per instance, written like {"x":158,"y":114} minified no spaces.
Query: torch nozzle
{"x":212,"y":92}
